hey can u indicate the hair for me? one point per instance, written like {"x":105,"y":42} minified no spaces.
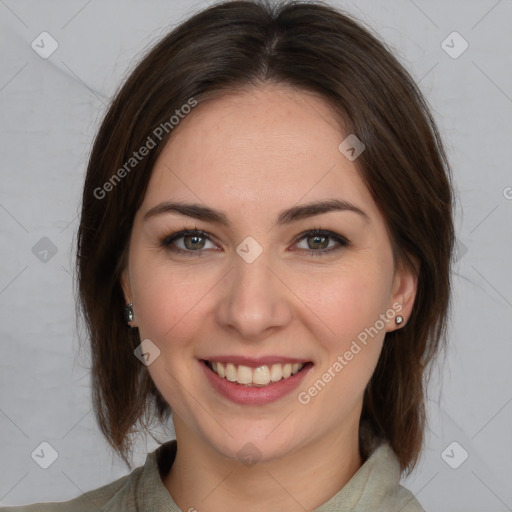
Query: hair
{"x":311,"y":47}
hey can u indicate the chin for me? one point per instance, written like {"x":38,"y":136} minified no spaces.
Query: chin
{"x":252,"y":444}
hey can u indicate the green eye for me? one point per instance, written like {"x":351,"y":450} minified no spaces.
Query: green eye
{"x":319,"y":242}
{"x":186,"y":241}
{"x":194,"y":241}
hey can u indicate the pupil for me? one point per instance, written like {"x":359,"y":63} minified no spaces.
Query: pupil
{"x":316,"y":241}
{"x":194,"y":243}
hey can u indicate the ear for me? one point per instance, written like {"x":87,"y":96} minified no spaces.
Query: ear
{"x":125,"y":285}
{"x":405,"y":286}
{"x":127,"y":290}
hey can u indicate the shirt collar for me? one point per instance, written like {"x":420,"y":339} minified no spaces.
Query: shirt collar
{"x":375,"y":481}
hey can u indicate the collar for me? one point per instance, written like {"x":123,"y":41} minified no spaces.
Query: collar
{"x":375,"y":486}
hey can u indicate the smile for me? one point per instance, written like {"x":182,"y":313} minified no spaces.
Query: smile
{"x":260,"y":376}
{"x":254,"y":381}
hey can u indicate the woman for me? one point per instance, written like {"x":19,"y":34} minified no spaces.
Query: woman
{"x":264,"y":249}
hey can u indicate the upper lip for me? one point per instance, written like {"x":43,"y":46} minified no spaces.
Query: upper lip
{"x":255,"y":362}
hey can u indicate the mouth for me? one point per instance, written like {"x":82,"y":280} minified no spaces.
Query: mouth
{"x":260,"y":376}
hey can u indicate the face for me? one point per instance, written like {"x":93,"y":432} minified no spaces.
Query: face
{"x":289,"y":304}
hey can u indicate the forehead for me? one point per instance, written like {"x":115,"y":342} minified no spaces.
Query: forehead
{"x":273,"y":143}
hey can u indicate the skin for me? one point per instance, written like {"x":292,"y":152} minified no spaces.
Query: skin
{"x":252,"y":154}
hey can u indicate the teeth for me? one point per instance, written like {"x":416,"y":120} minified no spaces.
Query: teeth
{"x":244,"y":375}
{"x":276,"y":373}
{"x":261,"y":376}
{"x":231,"y":373}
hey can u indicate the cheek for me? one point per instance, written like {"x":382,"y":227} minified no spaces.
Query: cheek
{"x":349,"y":299}
{"x":168,"y":309}
{"x":351,"y":307}
{"x":164,"y":298}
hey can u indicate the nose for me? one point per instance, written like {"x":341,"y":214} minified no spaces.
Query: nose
{"x":256,"y":303}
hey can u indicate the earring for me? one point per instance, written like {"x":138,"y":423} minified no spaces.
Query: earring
{"x":128,"y":312}
{"x":399,"y":319}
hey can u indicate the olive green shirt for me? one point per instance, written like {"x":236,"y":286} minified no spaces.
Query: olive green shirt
{"x":375,"y":487}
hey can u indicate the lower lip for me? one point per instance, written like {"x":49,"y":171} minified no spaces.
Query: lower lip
{"x":254,"y":395}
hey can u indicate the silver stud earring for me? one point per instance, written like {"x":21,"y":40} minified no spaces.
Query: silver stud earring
{"x":399,"y":319}
{"x":128,"y":312}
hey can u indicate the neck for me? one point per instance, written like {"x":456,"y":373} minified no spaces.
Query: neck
{"x":200,"y":478}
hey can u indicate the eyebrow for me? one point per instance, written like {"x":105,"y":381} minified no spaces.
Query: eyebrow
{"x":288,"y":216}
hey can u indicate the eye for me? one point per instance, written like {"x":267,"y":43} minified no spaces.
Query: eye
{"x":194,"y":241}
{"x":319,"y":242}
{"x":187,"y":241}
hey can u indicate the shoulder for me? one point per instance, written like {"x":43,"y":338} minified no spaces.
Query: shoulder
{"x":405,"y":501}
{"x":375,"y":486}
{"x":142,"y":489}
{"x":387,"y":491}
{"x":383,"y":486}
{"x":120,"y":491}
{"x":383,"y":490}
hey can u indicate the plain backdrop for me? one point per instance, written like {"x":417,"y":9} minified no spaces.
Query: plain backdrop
{"x":51,"y":108}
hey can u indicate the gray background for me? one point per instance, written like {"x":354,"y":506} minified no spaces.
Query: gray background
{"x":50,"y":110}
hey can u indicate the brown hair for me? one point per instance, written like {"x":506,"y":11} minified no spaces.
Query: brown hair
{"x":309,"y":46}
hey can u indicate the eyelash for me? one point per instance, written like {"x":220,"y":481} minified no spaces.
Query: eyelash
{"x":342,"y":241}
